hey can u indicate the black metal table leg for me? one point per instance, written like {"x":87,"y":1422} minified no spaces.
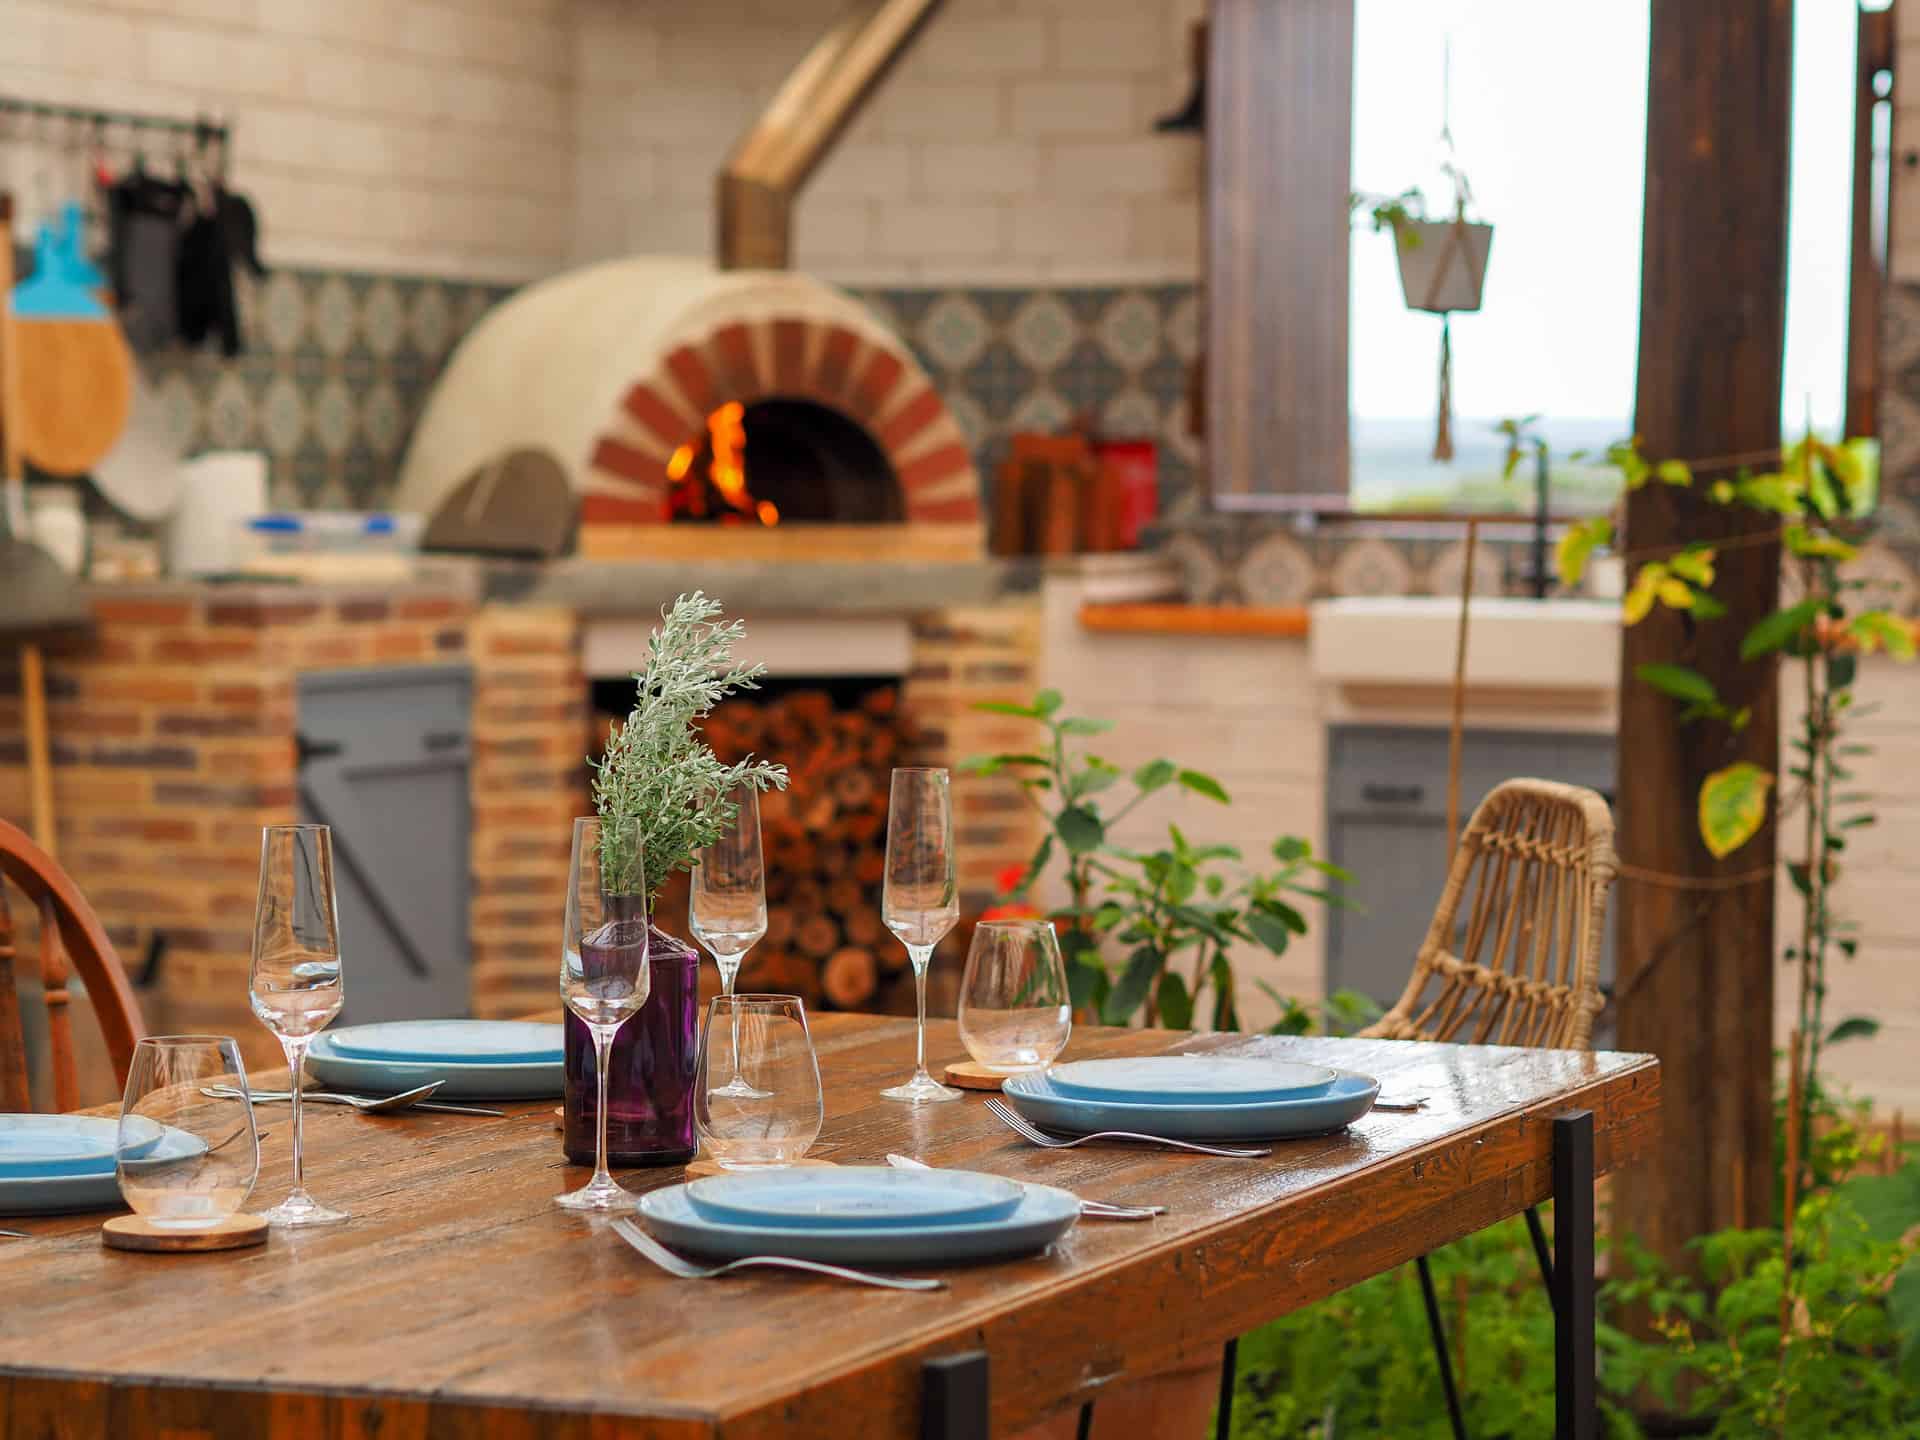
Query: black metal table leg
{"x":1540,"y":1251}
{"x":1223,"y":1411}
{"x":953,"y":1404}
{"x":1576,"y":1413}
{"x":1439,"y":1332}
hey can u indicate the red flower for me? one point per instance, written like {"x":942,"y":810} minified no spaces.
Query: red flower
{"x":1009,"y":878}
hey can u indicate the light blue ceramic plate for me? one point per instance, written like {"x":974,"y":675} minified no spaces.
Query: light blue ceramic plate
{"x":50,"y":1194}
{"x":1190,"y":1079}
{"x":38,"y":1146}
{"x":505,"y":1080}
{"x":465,"y":1042}
{"x":1348,"y":1098}
{"x":854,"y":1197}
{"x":1043,"y":1215}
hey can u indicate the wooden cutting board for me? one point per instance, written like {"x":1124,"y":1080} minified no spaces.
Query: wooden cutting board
{"x":73,"y":373}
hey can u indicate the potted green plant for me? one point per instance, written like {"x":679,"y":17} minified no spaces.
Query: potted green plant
{"x":1443,"y":262}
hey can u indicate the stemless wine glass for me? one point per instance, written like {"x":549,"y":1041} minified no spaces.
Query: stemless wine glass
{"x":773,"y":1120}
{"x":1015,"y":1009}
{"x":207,"y":1156}
{"x":727,"y":899}
{"x":604,"y":976}
{"x":295,"y":985}
{"x":919,"y":902}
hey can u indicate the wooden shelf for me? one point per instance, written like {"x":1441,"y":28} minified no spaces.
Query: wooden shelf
{"x":1178,"y":619}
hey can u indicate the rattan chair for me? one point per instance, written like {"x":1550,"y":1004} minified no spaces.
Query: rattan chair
{"x":68,"y":927}
{"x":1532,"y":872}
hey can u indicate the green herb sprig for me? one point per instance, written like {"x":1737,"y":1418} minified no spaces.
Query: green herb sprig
{"x":657,"y":769}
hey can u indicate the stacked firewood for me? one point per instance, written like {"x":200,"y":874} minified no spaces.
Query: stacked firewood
{"x":825,"y":839}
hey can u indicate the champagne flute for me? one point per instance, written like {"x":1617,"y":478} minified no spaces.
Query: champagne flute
{"x":919,"y":901}
{"x":727,"y":908}
{"x":294,"y":986}
{"x":604,"y":976}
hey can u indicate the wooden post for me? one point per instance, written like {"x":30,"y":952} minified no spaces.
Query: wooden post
{"x":1696,"y":963}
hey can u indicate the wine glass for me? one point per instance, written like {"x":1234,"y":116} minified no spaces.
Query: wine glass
{"x":1015,"y":1009}
{"x":294,"y":986}
{"x":918,"y":901}
{"x":186,"y":1159}
{"x":770,"y":1123}
{"x":727,"y":900}
{"x":604,"y":975}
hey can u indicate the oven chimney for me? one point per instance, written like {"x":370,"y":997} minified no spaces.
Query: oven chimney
{"x":757,"y":187}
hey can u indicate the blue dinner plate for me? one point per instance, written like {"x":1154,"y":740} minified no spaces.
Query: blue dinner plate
{"x":1348,"y":1098}
{"x":502,"y":1080}
{"x":49,"y":1194}
{"x":465,"y":1042}
{"x":38,"y":1146}
{"x":1043,"y":1215}
{"x":1190,"y":1079}
{"x":854,"y":1197}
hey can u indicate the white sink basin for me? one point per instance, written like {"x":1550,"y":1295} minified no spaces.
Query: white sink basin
{"x":1513,"y":644}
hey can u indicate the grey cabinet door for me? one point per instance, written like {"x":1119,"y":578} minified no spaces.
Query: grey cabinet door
{"x":1386,"y":823}
{"x":384,"y":760}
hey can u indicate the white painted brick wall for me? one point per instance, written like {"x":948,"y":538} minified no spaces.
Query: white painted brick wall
{"x":1013,"y":143}
{"x":419,"y":135}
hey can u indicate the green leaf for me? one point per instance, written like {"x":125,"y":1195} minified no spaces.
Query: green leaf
{"x":1775,"y":494}
{"x":1226,"y":997}
{"x":994,"y":764}
{"x":1694,"y":565}
{"x":1075,"y":725}
{"x":1176,"y":1006}
{"x":1879,"y":630}
{"x":1576,"y":547}
{"x":1005,"y":707}
{"x":1673,"y":472}
{"x":1706,"y":606}
{"x":1289,"y":848}
{"x":1087,"y":984}
{"x":1080,"y":830}
{"x":1046,"y":702}
{"x":1637,"y":604}
{"x":1888,"y":1204}
{"x":1778,"y":628}
{"x":1802,"y":541}
{"x":1042,"y":853}
{"x":1854,"y":1027}
{"x":1204,"y":785}
{"x":1270,"y":931}
{"x":1154,"y":775}
{"x":1733,"y":806}
{"x":1130,"y":993}
{"x":1679,"y":682}
{"x":1182,"y":881}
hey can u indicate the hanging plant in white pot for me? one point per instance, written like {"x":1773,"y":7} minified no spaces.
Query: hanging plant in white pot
{"x":1443,"y":268}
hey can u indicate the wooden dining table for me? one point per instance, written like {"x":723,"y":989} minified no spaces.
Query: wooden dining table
{"x":459,"y":1301}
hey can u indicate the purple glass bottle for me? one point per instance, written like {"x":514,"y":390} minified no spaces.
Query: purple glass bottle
{"x":650,"y":1072}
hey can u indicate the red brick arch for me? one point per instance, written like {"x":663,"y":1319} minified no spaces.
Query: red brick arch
{"x":873,"y":382}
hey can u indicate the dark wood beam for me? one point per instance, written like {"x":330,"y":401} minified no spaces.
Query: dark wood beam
{"x":1279,"y":147}
{"x":1696,"y":963}
{"x":1866,"y":273}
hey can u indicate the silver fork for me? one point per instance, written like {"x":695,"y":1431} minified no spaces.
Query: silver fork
{"x":1091,"y":1209}
{"x":1027,"y":1131}
{"x":16,"y":1234}
{"x":415,"y":1099}
{"x":687,"y":1270}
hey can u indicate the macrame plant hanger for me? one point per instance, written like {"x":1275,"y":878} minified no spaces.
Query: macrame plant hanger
{"x":1453,"y":247}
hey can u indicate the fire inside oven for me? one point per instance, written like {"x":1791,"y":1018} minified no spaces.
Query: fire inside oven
{"x":782,"y":459}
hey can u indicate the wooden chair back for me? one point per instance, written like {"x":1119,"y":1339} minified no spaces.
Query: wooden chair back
{"x":68,"y":927}
{"x":1533,"y":870}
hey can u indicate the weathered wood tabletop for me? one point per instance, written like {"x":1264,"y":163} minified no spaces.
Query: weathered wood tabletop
{"x":460,"y":1301}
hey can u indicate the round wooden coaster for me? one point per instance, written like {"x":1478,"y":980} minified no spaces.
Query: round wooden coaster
{"x":131,"y":1232}
{"x":708,"y":1167}
{"x":969,"y":1076}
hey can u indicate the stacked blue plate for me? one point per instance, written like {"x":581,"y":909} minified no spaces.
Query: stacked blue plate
{"x":66,"y":1162}
{"x":1193,"y":1097}
{"x":860,"y":1215}
{"x":473,"y":1059}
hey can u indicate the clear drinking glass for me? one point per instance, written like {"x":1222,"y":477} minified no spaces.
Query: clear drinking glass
{"x":295,"y":983}
{"x":208,"y":1157}
{"x":919,"y":901}
{"x":1015,"y":1009}
{"x":727,"y":899}
{"x":604,"y":975}
{"x":775,"y":1119}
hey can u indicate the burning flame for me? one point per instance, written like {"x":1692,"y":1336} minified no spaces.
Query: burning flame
{"x":727,"y":439}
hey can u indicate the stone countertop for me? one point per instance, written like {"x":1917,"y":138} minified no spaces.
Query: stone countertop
{"x":876,"y":587}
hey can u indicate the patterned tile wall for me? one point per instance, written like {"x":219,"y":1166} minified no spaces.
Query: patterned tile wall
{"x":335,"y":369}
{"x":338,"y":364}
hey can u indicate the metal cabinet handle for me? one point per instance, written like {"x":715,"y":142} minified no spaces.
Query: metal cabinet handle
{"x":306,"y":748}
{"x":1379,"y":794}
{"x":443,"y":740}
